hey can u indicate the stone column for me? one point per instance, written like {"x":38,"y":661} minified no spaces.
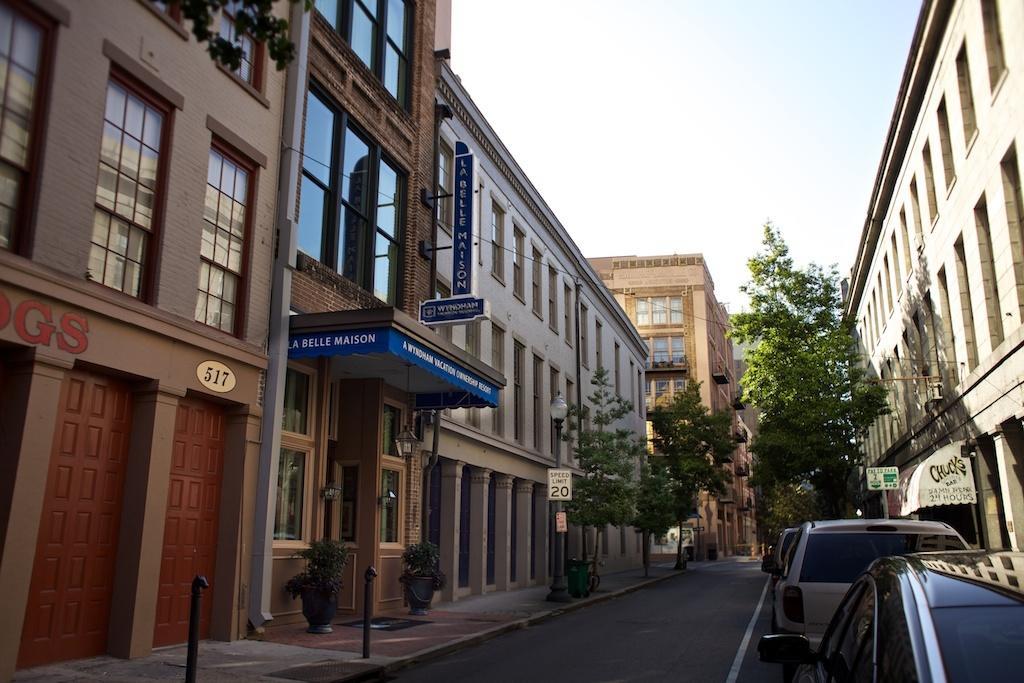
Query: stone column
{"x":503,"y":531}
{"x":481,"y":478}
{"x":1009,"y":485}
{"x":140,"y":544}
{"x":524,"y":517}
{"x":451,"y":491}
{"x":541,"y":519}
{"x":28,"y":415}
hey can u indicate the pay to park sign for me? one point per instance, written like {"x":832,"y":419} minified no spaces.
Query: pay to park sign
{"x":559,"y":484}
{"x":883,"y":478}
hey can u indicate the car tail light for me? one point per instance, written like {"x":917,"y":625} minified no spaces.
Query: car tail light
{"x":793,"y":604}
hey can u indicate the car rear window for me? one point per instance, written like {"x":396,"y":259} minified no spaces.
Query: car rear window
{"x":840,"y":557}
{"x":981,"y":643}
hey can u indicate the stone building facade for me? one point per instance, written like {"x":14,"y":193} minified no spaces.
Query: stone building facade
{"x":136,"y":235}
{"x":671,"y":300}
{"x":937,"y":288}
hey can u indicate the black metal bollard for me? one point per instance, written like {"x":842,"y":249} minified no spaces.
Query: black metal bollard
{"x":370,"y":575}
{"x":199,"y":583}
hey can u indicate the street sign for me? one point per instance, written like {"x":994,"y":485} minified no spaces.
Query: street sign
{"x":698,"y":528}
{"x":459,"y":309}
{"x":561,"y":523}
{"x":883,"y":478}
{"x":559,"y":484}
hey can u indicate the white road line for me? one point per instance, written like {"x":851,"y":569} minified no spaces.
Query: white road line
{"x":734,"y":672}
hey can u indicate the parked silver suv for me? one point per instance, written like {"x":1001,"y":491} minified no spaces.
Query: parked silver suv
{"x":825,"y":558}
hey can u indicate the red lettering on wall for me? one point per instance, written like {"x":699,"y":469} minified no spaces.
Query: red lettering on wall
{"x":33,"y":323}
{"x":75,"y":327}
{"x":44,"y":329}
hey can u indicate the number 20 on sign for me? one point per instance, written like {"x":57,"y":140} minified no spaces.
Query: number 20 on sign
{"x":559,"y":484}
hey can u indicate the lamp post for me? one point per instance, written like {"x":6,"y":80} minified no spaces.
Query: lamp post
{"x":558,"y":593}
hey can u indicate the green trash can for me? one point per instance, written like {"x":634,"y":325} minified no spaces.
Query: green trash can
{"x":578,"y":578}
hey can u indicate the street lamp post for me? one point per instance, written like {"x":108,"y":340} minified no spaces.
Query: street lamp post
{"x":558,"y":592}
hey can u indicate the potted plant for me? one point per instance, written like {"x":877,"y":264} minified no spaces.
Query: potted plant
{"x":421,"y":576}
{"x":319,"y":583}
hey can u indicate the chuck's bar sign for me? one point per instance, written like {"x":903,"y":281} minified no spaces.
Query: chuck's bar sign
{"x":462,"y":233}
{"x":559,"y":484}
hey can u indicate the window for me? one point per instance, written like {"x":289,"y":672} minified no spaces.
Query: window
{"x":169,"y":7}
{"x":888,"y":282}
{"x":497,"y":240}
{"x":929,"y":183}
{"x":570,"y":399}
{"x":660,"y":350}
{"x":378,"y":32}
{"x":598,"y":328}
{"x":904,"y":234}
{"x":1012,"y":196}
{"x":21,"y":56}
{"x":678,"y":350}
{"x":498,"y":363}
{"x":659,"y":311}
{"x":291,"y":480}
{"x":966,"y":307}
{"x":536,"y":284}
{"x":944,"y":144}
{"x":660,"y":388}
{"x":632,"y":383}
{"x":643,"y":312}
{"x":389,"y":499}
{"x":567,"y":305}
{"x":675,"y":304}
{"x":584,"y":350}
{"x":538,"y":401}
{"x":249,"y":68}
{"x":391,"y":425}
{"x":963,"y":79}
{"x":553,"y":299}
{"x":988,"y":274}
{"x":517,"y":263}
{"x":443,"y":291}
{"x":222,"y":250}
{"x":518,"y":360}
{"x":678,"y":385}
{"x":993,"y":42}
{"x":553,"y":387}
{"x":445,"y":187}
{"x":617,"y":373}
{"x":349,"y":502}
{"x":838,"y":557}
{"x":639,"y":390}
{"x":915,"y":208}
{"x":295,"y":417}
{"x":350,"y":215}
{"x":124,"y":219}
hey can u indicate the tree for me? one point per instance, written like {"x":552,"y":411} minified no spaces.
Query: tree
{"x":695,"y":444}
{"x":803,"y":374}
{"x":785,"y":505}
{"x":655,"y":504}
{"x":608,"y":458}
{"x":251,"y":17}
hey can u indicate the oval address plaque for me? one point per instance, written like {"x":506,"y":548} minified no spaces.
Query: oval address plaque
{"x":215,"y":376}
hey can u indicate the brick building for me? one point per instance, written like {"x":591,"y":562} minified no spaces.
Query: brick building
{"x":136,"y":230}
{"x":671,"y":300}
{"x":937,"y":287}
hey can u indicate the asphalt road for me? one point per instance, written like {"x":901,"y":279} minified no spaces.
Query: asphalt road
{"x":688,"y":628}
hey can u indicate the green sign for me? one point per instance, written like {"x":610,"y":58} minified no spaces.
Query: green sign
{"x":883,"y":478}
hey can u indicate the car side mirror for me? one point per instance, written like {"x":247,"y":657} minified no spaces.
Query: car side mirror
{"x":767,"y":564}
{"x":785,"y":648}
{"x":776,"y":571}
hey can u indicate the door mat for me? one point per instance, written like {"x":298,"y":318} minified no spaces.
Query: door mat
{"x":386,"y":623}
{"x":328,"y":672}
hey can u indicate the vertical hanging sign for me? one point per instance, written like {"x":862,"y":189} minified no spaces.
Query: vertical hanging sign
{"x":462,"y":233}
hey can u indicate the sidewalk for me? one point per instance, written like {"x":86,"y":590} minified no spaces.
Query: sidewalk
{"x":288,"y":653}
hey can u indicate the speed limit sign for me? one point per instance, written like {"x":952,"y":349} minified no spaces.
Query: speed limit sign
{"x":559,"y":484}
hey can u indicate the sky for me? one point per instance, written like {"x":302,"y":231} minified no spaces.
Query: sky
{"x":682,"y":126}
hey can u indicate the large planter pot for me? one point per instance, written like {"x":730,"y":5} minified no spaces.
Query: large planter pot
{"x":319,"y":609}
{"x":419,"y":592}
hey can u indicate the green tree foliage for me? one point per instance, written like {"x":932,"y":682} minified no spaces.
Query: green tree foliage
{"x":608,"y":457}
{"x":253,"y":17}
{"x":655,"y":503}
{"x":694,"y":444}
{"x":783,"y":506}
{"x":804,"y":376}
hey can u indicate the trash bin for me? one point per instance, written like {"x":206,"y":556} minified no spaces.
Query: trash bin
{"x":712,"y":553}
{"x":578,"y":577}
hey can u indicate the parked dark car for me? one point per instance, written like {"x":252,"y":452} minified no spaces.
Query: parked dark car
{"x":951,"y":616}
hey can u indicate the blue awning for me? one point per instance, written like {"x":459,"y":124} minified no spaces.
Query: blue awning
{"x":459,"y":386}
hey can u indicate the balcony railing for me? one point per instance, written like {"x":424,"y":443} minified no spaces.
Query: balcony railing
{"x":718,"y":374}
{"x":742,"y":471}
{"x":671,"y":363}
{"x":737,"y":401}
{"x":741,"y":436}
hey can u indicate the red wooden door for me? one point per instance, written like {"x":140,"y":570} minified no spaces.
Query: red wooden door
{"x":68,"y":609}
{"x":190,"y":530}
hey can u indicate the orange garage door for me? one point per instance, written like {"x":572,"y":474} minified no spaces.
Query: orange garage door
{"x":190,"y":532}
{"x":72,"y":577}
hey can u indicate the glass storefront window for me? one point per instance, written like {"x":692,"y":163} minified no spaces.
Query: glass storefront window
{"x":389,"y":493}
{"x":291,"y":477}
{"x":392,"y":425}
{"x":296,"y":402}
